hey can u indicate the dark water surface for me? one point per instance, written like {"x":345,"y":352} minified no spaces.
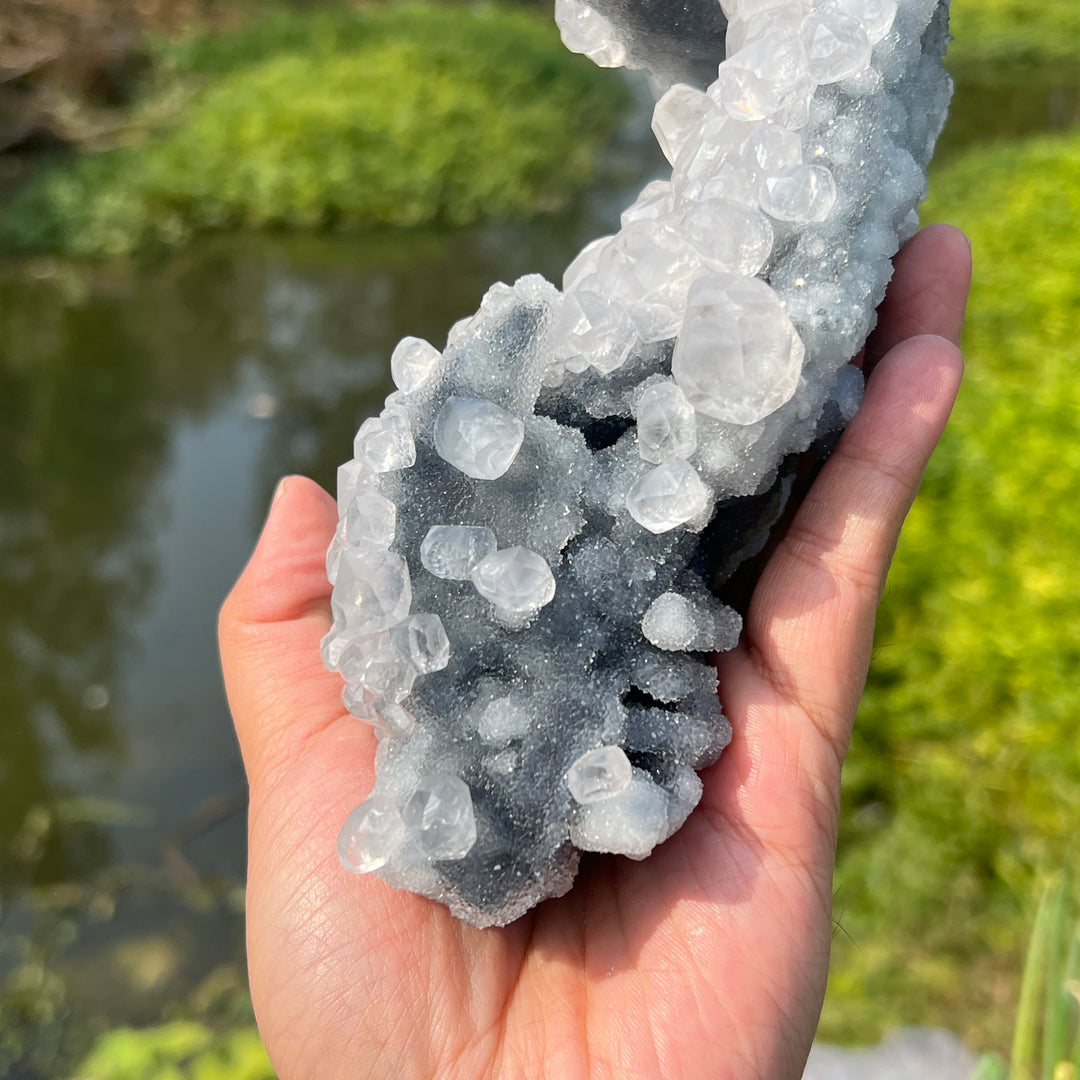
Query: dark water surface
{"x":145,"y":415}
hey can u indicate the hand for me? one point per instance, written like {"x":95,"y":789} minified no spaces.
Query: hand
{"x":707,"y":960}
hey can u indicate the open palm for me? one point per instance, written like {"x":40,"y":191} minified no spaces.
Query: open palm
{"x":708,"y":959}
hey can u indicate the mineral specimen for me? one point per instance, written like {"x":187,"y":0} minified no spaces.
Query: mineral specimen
{"x":530,"y":528}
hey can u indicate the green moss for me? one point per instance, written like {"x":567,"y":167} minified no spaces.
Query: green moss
{"x":1010,"y":39}
{"x":964,"y":776}
{"x":402,"y":115}
{"x":182,"y":1050}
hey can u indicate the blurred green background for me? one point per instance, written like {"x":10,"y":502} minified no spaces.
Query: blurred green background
{"x":216,"y":219}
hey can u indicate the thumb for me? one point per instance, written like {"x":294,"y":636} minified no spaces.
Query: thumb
{"x":269,"y":631}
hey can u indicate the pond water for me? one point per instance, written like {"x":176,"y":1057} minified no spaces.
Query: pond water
{"x":145,"y":415}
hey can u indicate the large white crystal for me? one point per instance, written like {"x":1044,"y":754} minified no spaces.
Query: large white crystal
{"x":668,"y":496}
{"x":836,"y":46}
{"x":352,"y":478}
{"x":586,"y":31}
{"x":666,"y":424}
{"x":738,"y":357}
{"x":678,"y":118}
{"x":373,"y":591}
{"x":370,"y":835}
{"x":451,"y":551}
{"x":655,"y":201}
{"x":422,"y":640}
{"x":803,"y":193}
{"x":876,"y":17}
{"x":730,"y":237}
{"x":648,"y":269}
{"x":413,"y":363}
{"x":385,"y":442}
{"x":380,"y":668}
{"x":370,"y":518}
{"x":478,"y":437}
{"x":516,"y":580}
{"x":593,"y":329}
{"x":440,"y":815}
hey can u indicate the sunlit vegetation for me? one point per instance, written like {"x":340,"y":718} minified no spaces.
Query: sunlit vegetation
{"x":392,"y":116}
{"x":964,"y":778}
{"x":999,"y":40}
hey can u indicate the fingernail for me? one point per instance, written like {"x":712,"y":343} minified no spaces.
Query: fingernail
{"x":279,"y":490}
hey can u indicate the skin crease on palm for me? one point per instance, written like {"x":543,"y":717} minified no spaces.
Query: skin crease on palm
{"x":709,"y":959}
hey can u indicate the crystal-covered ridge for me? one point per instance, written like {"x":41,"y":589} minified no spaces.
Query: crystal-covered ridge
{"x":531,"y":527}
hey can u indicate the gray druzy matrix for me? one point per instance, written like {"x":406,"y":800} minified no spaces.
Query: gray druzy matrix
{"x":530,"y":528}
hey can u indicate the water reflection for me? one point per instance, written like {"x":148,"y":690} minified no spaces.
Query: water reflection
{"x":145,"y":415}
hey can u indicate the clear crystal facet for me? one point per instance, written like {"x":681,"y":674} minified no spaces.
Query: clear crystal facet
{"x":373,"y":591}
{"x":666,"y":424}
{"x":668,"y":496}
{"x":422,"y":639}
{"x":738,"y":357}
{"x":875,"y":16}
{"x":413,"y":363}
{"x":655,"y":200}
{"x":440,"y":814}
{"x":801,"y":194}
{"x":353,"y":477}
{"x":648,"y":269}
{"x":836,"y":46}
{"x":370,"y":835}
{"x":451,"y":551}
{"x":595,"y":329}
{"x":478,"y":437}
{"x":385,"y":442}
{"x":516,"y":580}
{"x":730,"y":236}
{"x":584,"y":30}
{"x":370,"y":519}
{"x":678,"y":117}
{"x":599,"y":774}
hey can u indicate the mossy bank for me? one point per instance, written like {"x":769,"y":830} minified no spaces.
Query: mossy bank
{"x":399,"y":115}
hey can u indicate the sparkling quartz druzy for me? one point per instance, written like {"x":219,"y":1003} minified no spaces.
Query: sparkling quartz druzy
{"x":532,"y":529}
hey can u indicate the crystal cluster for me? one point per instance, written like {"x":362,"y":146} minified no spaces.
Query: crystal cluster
{"x":530,"y":529}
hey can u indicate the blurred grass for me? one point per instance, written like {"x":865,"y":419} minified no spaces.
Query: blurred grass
{"x":999,"y":41}
{"x":964,"y":776}
{"x":1046,"y":1038}
{"x":399,"y":115}
{"x":180,"y":1050}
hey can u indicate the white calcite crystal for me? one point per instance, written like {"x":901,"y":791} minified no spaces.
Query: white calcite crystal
{"x":451,"y":551}
{"x":516,"y":580}
{"x":533,"y":530}
{"x":599,"y":774}
{"x":477,"y":437}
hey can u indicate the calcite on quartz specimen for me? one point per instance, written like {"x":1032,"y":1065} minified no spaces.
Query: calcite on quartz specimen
{"x":530,"y":528}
